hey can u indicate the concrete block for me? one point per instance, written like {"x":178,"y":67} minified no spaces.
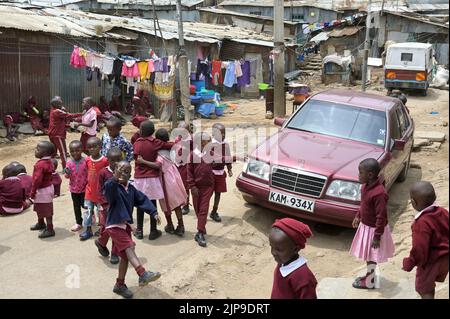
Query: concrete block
{"x":430,"y":135}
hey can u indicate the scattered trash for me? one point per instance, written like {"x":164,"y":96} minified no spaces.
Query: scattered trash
{"x":434,"y":113}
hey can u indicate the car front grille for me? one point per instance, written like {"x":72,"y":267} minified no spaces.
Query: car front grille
{"x":298,"y":182}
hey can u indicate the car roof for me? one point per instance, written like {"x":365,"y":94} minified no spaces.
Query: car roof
{"x":356,"y":98}
{"x":413,"y":45}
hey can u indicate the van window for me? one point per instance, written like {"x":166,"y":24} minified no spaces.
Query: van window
{"x":407,"y":57}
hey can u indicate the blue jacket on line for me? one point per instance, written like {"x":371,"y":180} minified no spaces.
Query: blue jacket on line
{"x":122,"y":201}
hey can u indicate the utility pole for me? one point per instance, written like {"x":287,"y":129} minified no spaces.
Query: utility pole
{"x":279,"y":101}
{"x":366,"y":47}
{"x":183,"y":70}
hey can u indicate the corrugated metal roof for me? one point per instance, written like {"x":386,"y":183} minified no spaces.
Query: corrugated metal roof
{"x":345,"y":32}
{"x":239,"y":14}
{"x":17,"y":18}
{"x":43,"y":3}
{"x":158,"y":3}
{"x":428,"y":6}
{"x":418,"y":17}
{"x":269,"y":3}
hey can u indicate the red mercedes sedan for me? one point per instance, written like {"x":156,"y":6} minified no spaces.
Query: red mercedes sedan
{"x":309,"y":169}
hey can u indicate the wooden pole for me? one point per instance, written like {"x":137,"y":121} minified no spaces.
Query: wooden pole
{"x":183,"y":67}
{"x":366,"y":47}
{"x":279,"y":104}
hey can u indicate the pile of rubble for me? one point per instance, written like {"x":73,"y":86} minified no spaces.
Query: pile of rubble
{"x":428,"y":141}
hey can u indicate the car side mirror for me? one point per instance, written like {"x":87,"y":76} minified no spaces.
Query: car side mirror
{"x":399,"y":145}
{"x":279,"y":121}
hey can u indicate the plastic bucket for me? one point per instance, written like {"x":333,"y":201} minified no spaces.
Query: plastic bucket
{"x":199,"y":85}
{"x":263,"y":86}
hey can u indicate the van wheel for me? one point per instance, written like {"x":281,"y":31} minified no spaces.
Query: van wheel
{"x":404,"y":173}
{"x":424,"y":92}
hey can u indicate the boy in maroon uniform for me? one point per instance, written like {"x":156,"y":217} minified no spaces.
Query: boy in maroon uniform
{"x":26,"y":181}
{"x":114,"y":156}
{"x":429,"y":251}
{"x":292,"y":277}
{"x":57,"y":127}
{"x":42,"y":191}
{"x":184,"y":147}
{"x":200,"y":180}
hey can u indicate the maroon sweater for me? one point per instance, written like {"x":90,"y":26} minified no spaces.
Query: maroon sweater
{"x":429,"y":239}
{"x":299,"y":284}
{"x":148,"y":148}
{"x":373,"y":208}
{"x":12,"y":195}
{"x":42,"y":175}
{"x":225,"y":152}
{"x":199,"y":172}
{"x":26,"y":181}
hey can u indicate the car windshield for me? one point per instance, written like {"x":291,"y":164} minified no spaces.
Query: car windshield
{"x":340,"y":120}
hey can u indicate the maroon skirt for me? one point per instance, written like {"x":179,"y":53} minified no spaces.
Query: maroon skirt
{"x":43,"y":210}
{"x":183,"y":173}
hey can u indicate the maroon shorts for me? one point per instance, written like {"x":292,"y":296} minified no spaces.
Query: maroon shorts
{"x":427,"y":277}
{"x":220,"y":183}
{"x":121,"y":240}
{"x":43,"y":210}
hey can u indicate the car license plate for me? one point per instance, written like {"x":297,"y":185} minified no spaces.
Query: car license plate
{"x":292,"y":201}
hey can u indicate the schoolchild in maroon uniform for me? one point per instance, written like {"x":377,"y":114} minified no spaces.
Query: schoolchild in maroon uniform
{"x":136,"y":121}
{"x":56,"y":179}
{"x":292,"y":277}
{"x":122,"y":197}
{"x":114,"y":156}
{"x":42,"y":191}
{"x":34,"y":114}
{"x":146,"y":174}
{"x":220,"y":183}
{"x":11,"y":125}
{"x":26,"y":181}
{"x":200,"y":181}
{"x":184,"y":146}
{"x":57,"y":127}
{"x":429,"y":251}
{"x":373,"y":241}
{"x":12,"y":194}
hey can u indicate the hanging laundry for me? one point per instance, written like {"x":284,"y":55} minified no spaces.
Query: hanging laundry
{"x":76,"y":60}
{"x":90,"y":59}
{"x":151,"y":66}
{"x":158,"y":65}
{"x":116,"y":72}
{"x":107,"y":65}
{"x":131,"y":83}
{"x":244,"y":80}
{"x":99,"y":77}
{"x":97,"y":61}
{"x":165,"y":65}
{"x":202,"y":69}
{"x":253,"y":67}
{"x":238,"y":69}
{"x":216,"y":72}
{"x":88,"y":73}
{"x":130,"y":69}
{"x":143,"y":70}
{"x":171,"y":62}
{"x":230,"y":75}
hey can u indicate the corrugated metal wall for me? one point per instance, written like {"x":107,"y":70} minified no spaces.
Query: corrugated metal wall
{"x":24,"y":71}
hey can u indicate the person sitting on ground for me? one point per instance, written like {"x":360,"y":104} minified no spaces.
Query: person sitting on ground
{"x":292,"y":277}
{"x":12,"y":194}
{"x":12,"y":126}
{"x":429,"y":252}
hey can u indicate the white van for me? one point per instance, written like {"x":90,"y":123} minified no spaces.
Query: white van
{"x":408,"y":66}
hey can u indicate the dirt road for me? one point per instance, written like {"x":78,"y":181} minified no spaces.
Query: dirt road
{"x":237,"y":262}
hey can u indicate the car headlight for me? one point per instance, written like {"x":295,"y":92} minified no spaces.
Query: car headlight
{"x":345,"y":190}
{"x":257,"y":168}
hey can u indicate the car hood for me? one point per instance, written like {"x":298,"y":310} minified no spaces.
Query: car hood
{"x":321,"y":154}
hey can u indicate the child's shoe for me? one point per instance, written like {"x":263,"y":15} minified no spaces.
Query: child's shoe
{"x":138,"y":233}
{"x":154,"y":234}
{"x":123,"y":291}
{"x":169,"y":229}
{"x":185,"y":210}
{"x":200,"y":239}
{"x":215,"y":217}
{"x":148,"y":277}
{"x":38,"y":226}
{"x":179,"y":231}
{"x":76,"y":228}
{"x":47,"y":233}
{"x":85,"y":235}
{"x":97,"y":233}
{"x":114,"y":259}
{"x":102,"y":250}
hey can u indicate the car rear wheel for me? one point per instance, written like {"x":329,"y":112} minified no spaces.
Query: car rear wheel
{"x":405,"y":170}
